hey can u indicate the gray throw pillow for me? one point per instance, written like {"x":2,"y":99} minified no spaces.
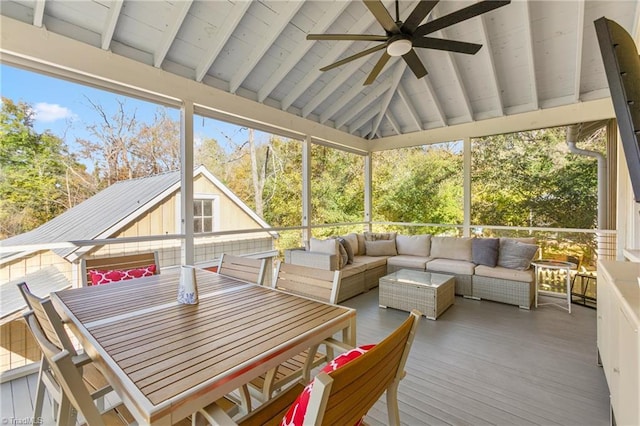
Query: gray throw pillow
{"x":484,"y":251}
{"x":516,"y":255}
{"x":347,"y":246}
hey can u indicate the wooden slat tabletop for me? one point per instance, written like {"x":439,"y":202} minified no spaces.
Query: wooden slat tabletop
{"x":166,"y":359}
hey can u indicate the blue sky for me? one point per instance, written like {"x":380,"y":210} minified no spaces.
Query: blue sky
{"x":61,"y":107}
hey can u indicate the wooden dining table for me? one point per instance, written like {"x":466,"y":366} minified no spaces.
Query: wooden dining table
{"x":166,"y":360}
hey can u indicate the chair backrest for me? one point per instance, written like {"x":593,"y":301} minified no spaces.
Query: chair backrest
{"x":314,"y":283}
{"x":67,"y":374}
{"x":48,"y":319}
{"x":129,"y":261}
{"x":243,"y":268}
{"x":345,"y":395}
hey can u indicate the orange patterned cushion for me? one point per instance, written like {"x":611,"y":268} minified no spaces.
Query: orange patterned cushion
{"x":297,"y":411}
{"x":99,"y":276}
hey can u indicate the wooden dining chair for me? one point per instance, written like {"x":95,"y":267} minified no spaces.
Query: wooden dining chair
{"x":61,"y":362}
{"x":317,"y":284}
{"x":343,"y":396}
{"x":118,"y":263}
{"x":243,"y":268}
{"x":49,"y":321}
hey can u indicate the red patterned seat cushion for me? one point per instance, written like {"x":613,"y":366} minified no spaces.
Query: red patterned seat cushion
{"x":297,"y":411}
{"x":99,"y":276}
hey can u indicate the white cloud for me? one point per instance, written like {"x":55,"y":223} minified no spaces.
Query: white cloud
{"x":49,"y":113}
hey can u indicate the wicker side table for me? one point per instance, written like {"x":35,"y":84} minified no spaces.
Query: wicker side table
{"x":407,"y":289}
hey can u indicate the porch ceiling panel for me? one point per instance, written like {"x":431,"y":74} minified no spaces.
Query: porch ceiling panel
{"x":535,"y":55}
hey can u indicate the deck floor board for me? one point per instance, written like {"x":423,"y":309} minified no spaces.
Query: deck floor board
{"x":480,"y":363}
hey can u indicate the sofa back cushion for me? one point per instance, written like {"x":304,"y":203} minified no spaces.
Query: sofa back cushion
{"x":515,"y":254}
{"x":484,"y":251}
{"x":414,"y":245}
{"x":329,"y":246}
{"x":455,"y":248}
{"x":352,"y":239}
{"x":375,"y":236}
{"x":381,"y":248}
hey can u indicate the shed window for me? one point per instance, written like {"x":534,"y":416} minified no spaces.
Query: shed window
{"x":202,"y":215}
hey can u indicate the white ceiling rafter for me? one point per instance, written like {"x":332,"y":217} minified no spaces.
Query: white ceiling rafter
{"x":330,"y":88}
{"x":338,"y":48}
{"x":384,"y":105}
{"x":363,"y":119}
{"x":392,"y":120}
{"x":110,"y":24}
{"x":412,"y":110}
{"x":330,"y":15}
{"x":363,"y":103}
{"x":38,"y":13}
{"x":219,"y":39}
{"x":180,"y":12}
{"x":338,"y":80}
{"x":343,"y":100}
{"x":579,"y":40}
{"x":262,"y":45}
{"x":456,"y":72}
{"x":494,"y":75}
{"x":531,"y":61}
{"x":435,"y":100}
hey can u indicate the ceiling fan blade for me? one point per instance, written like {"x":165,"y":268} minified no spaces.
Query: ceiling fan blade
{"x":417,"y":16}
{"x":448,"y":45}
{"x":415,"y":63}
{"x":459,"y":16}
{"x":382,"y":15}
{"x":356,"y":56}
{"x":377,"y":68}
{"x":352,"y":37}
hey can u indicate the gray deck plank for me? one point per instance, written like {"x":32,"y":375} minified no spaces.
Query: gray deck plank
{"x":480,"y":363}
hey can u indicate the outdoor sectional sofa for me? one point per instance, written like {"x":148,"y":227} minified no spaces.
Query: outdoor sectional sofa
{"x":495,"y":269}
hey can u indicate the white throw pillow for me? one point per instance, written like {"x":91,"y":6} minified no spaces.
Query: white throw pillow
{"x":328,"y":246}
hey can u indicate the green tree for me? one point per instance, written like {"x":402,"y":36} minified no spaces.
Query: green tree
{"x":39,"y":178}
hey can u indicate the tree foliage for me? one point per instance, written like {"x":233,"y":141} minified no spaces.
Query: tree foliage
{"x":39,"y":178}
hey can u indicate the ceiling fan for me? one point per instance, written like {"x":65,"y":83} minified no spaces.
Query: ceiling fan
{"x":402,"y":37}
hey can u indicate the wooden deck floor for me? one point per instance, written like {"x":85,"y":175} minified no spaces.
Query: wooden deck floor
{"x":479,"y":363}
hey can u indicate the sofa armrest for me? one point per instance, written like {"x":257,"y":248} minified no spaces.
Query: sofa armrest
{"x":311,"y":259}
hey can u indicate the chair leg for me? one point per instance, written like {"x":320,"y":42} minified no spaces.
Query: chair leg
{"x":245,"y":399}
{"x":392,"y":404}
{"x":66,"y":413}
{"x":37,"y":410}
{"x":267,"y":387}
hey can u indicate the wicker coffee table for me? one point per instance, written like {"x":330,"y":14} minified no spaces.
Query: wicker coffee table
{"x":407,"y":289}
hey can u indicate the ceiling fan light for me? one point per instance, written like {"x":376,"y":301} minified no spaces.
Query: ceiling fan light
{"x":399,"y":47}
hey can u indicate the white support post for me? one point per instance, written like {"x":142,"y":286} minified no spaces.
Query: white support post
{"x":367,"y":190}
{"x":306,"y":189}
{"x":186,"y":182}
{"x":466,"y":184}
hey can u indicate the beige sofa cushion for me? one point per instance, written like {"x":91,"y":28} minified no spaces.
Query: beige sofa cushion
{"x":527,"y":276}
{"x":414,"y":245}
{"x":370,"y":262}
{"x":452,"y":266}
{"x":353,"y":269}
{"x":406,"y":261}
{"x":380,"y":248}
{"x":455,"y":248}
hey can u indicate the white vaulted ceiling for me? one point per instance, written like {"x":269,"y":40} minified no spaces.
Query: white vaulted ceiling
{"x":536,"y":55}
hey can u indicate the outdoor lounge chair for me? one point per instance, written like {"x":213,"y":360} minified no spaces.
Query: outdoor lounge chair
{"x":316,"y":284}
{"x":49,"y":321}
{"x":345,"y":395}
{"x":243,"y":268}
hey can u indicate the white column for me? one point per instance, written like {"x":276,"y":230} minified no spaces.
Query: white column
{"x":186,"y":182}
{"x":368,"y":183}
{"x":466,"y":185}
{"x":306,"y":189}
